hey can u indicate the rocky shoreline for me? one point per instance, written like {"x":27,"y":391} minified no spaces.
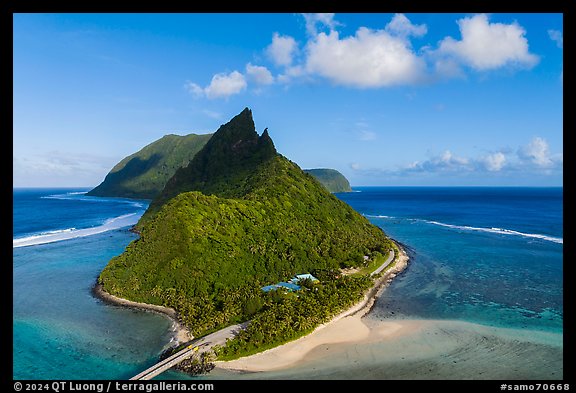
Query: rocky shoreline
{"x":181,"y":332}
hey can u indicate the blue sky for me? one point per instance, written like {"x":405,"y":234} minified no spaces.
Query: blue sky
{"x":387,"y":99}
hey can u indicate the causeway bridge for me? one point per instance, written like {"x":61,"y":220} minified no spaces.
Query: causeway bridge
{"x":197,"y":347}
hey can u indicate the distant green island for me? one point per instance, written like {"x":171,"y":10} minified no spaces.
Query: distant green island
{"x":144,"y":174}
{"x":237,"y":218}
{"x":333,"y":180}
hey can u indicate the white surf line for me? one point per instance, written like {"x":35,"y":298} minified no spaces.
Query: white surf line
{"x":71,"y":233}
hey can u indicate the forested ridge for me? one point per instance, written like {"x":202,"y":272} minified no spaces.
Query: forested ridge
{"x":239,"y":217}
{"x":143,"y":174}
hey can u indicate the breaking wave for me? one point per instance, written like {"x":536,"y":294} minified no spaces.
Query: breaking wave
{"x":501,"y":231}
{"x":73,"y":233}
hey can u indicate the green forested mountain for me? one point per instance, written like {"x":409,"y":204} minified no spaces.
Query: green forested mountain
{"x":144,"y":173}
{"x":333,"y":180}
{"x":225,"y":166}
{"x":239,"y":216}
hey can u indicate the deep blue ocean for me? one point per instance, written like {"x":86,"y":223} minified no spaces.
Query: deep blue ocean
{"x":487,"y":255}
{"x":491,"y":256}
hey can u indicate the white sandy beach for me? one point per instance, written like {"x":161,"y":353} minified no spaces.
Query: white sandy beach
{"x":350,"y":329}
{"x":363,"y":348}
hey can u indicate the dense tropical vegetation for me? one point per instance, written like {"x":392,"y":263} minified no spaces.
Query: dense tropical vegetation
{"x":333,"y":180}
{"x":238,"y":217}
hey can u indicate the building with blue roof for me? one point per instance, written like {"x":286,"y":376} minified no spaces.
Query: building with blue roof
{"x":292,"y":284}
{"x":304,"y":277}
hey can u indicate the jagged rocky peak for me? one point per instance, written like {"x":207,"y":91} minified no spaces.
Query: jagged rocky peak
{"x":239,"y":137}
{"x":232,"y":154}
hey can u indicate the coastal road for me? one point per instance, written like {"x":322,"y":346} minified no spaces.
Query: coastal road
{"x":385,"y":264}
{"x":196,"y":347}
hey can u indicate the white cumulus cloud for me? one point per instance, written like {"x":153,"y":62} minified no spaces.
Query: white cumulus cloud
{"x":532,"y":159}
{"x":291,"y":73}
{"x":321,"y":19}
{"x":369,"y":59}
{"x":221,"y":86}
{"x":488,"y":46}
{"x":259,"y":74}
{"x":379,"y":58}
{"x":282,"y":49}
{"x":536,"y":152}
{"x":401,"y":26}
{"x":494,"y":162}
{"x":444,"y":162}
{"x":194,"y":89}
